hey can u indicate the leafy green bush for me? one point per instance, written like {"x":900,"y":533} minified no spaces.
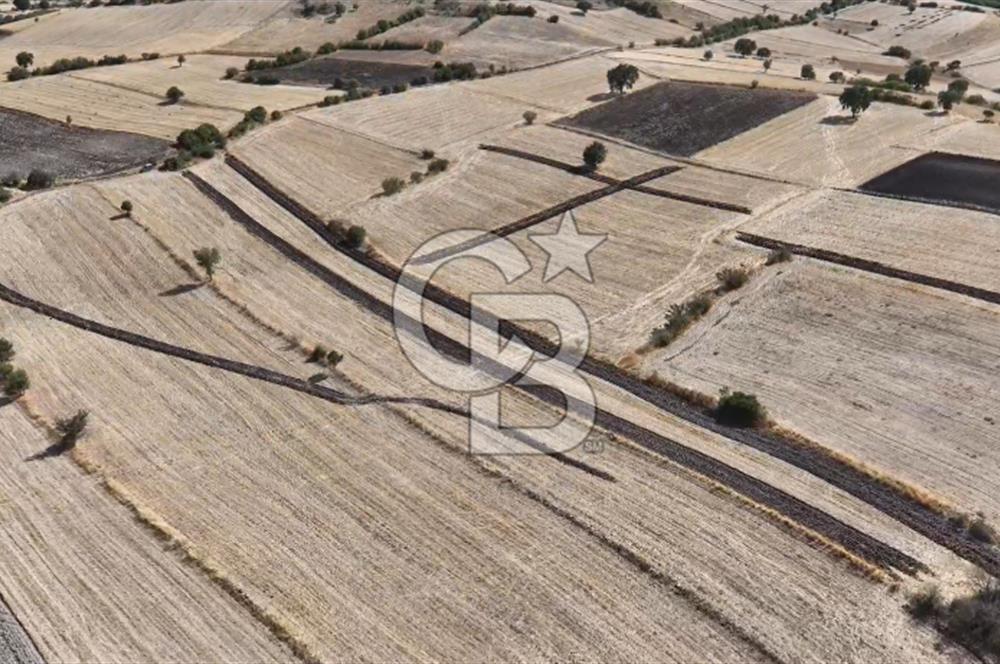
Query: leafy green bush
{"x":739,"y":409}
{"x":355,"y":237}
{"x":16,"y":382}
{"x":6,"y":350}
{"x":437,"y":166}
{"x":392,"y":186}
{"x":594,"y":155}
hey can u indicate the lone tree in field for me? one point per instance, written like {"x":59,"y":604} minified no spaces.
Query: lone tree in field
{"x":988,"y":115}
{"x":948,"y":99}
{"x":208,"y":258}
{"x":768,"y":64}
{"x":22,"y":5}
{"x":594,"y":155}
{"x":918,"y":76}
{"x":745,"y":46}
{"x":181,"y":60}
{"x":584,"y":6}
{"x":70,"y":429}
{"x":837,"y":77}
{"x":15,"y":383}
{"x":856,"y":99}
{"x":808,"y":72}
{"x":530,"y":117}
{"x":174,"y":94}
{"x":622,"y":78}
{"x":392,"y":186}
{"x":355,"y":237}
{"x":959,"y":87}
{"x":127,"y":208}
{"x":25,"y":59}
{"x":763,"y":52}
{"x":739,"y":409}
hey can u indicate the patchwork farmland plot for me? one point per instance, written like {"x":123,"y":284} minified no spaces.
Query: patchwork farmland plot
{"x":957,"y":245}
{"x":100,"y":106}
{"x":201,"y":79}
{"x":841,"y":153}
{"x":133,"y":30}
{"x":699,"y":116}
{"x":270,"y":472}
{"x":29,"y":142}
{"x":887,"y":360}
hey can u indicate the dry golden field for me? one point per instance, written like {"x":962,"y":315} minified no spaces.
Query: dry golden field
{"x":167,"y":29}
{"x":93,"y":104}
{"x":202,"y":80}
{"x":958,"y":245}
{"x":906,"y":372}
{"x":840,"y":153}
{"x":251,"y":504}
{"x":88,"y":581}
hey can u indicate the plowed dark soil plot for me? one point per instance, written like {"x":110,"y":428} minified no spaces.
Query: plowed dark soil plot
{"x":943,"y":178}
{"x":324,"y":71}
{"x":28,"y":142}
{"x":685,"y":118}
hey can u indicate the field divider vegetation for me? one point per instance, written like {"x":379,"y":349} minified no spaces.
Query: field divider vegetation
{"x":644,"y":189}
{"x":874,"y":267}
{"x":851,"y":539}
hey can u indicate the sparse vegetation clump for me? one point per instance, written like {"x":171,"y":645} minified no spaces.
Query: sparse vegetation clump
{"x":972,"y":621}
{"x":529,"y":117}
{"x":437,"y":166}
{"x":70,"y":429}
{"x":732,"y":278}
{"x":778,"y":256}
{"x":739,"y":409}
{"x":392,"y":186}
{"x":354,"y":238}
{"x":679,"y":318}
{"x":208,"y":259}
{"x":594,"y":155}
{"x":39,"y":179}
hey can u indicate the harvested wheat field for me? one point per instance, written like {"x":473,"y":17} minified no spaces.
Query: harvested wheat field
{"x":953,"y":244}
{"x":201,"y":78}
{"x":100,"y":106}
{"x":168,"y":28}
{"x":518,"y":42}
{"x":327,"y":169}
{"x":432,"y":117}
{"x":887,"y":358}
{"x":841,"y":152}
{"x":287,"y":28}
{"x":738,"y":404}
{"x":110,"y":591}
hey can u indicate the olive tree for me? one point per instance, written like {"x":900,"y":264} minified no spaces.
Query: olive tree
{"x":208,"y":259}
{"x":623,"y":77}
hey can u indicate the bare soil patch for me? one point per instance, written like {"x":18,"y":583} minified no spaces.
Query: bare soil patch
{"x":369,"y":73}
{"x":28,"y":142}
{"x":943,"y":178}
{"x":685,"y":118}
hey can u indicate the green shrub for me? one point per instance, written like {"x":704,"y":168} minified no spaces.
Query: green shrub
{"x":732,"y":278}
{"x":39,"y":179}
{"x":739,"y":409}
{"x":426,"y":154}
{"x":434,"y":46}
{"x":18,"y":74}
{"x":925,"y":603}
{"x":355,"y":237}
{"x":70,"y":429}
{"x":6,"y":350}
{"x":392,"y":186}
{"x":437,"y":166}
{"x":126,"y":207}
{"x":16,"y":383}
{"x":276,"y":115}
{"x":318,"y":354}
{"x":208,"y":259}
{"x":333,"y":358}
{"x":174,"y":94}
{"x":529,"y":117}
{"x":416,"y":177}
{"x":594,"y":155}
{"x":232,"y":72}
{"x":982,"y":531}
{"x":679,"y":317}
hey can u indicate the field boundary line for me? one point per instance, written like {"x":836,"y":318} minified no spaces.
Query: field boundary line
{"x":688,"y":161}
{"x":875,"y":267}
{"x":544,"y":215}
{"x":643,"y":189}
{"x":835,"y":530}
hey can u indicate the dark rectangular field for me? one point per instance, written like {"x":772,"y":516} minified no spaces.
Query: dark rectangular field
{"x":943,"y":178}
{"x":28,"y":141}
{"x":685,"y":118}
{"x":370,"y":74}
